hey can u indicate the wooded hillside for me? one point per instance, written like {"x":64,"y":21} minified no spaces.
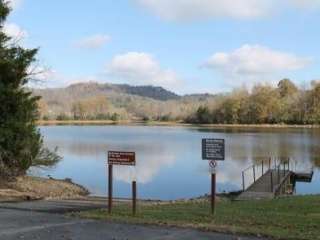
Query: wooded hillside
{"x":93,"y":101}
{"x":285,"y":103}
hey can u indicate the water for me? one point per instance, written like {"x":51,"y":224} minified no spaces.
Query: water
{"x":169,"y":164}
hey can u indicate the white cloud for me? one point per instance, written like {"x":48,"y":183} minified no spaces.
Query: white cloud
{"x":141,"y":68}
{"x":146,"y":169}
{"x":203,"y":9}
{"x":15,"y":31}
{"x":94,"y":42}
{"x":199,"y":9}
{"x":42,"y":77}
{"x":306,"y":4}
{"x":41,"y":73}
{"x":47,"y":78}
{"x":14,"y":3}
{"x":254,"y":62}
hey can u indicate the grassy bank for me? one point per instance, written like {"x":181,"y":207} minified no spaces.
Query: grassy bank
{"x":287,"y":218}
{"x":172,"y":123}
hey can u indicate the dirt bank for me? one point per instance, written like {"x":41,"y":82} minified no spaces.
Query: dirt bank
{"x":32,"y":188}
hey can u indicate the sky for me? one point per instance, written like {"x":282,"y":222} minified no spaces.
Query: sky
{"x":187,"y":46}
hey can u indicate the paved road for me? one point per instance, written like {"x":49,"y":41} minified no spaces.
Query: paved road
{"x":44,"y":220}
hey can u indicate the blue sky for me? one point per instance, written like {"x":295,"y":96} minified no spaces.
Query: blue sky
{"x":186,"y":46}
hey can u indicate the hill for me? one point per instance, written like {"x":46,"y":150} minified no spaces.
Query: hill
{"x":157,"y":93}
{"x":121,"y":101}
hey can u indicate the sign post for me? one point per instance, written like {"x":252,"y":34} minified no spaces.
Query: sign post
{"x":110,"y":185}
{"x":213,"y":150}
{"x":134,"y":197}
{"x":213,"y":193}
{"x":124,"y":159}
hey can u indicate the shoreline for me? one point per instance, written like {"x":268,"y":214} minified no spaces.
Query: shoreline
{"x":170,"y":124}
{"x":27,"y":188}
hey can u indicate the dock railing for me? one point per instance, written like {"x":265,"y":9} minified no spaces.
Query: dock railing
{"x":277,"y":168}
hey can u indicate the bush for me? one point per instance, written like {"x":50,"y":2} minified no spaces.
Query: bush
{"x":63,"y":117}
{"x":115,"y":117}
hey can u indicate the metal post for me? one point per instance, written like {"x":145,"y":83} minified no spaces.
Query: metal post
{"x":110,"y":176}
{"x":271,"y":179}
{"x":213,"y":192}
{"x":288,"y":164}
{"x":134,"y":197}
{"x":243,"y":184}
{"x":284,"y":169}
{"x":269,"y":163}
{"x":278,"y":174}
{"x":254,"y":173}
{"x":262,"y":167}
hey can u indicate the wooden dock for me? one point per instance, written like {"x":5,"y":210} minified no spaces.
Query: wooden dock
{"x":274,"y":181}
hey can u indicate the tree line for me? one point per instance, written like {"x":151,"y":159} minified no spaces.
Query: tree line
{"x":264,"y":104}
{"x":105,"y":107}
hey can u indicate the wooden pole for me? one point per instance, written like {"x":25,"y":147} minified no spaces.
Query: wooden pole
{"x":213,"y":192}
{"x":262,"y":167}
{"x":254,"y":173}
{"x":134,"y":197}
{"x":110,"y":177}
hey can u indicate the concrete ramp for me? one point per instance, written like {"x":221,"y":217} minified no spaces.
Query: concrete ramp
{"x":247,"y":195}
{"x":55,"y":206}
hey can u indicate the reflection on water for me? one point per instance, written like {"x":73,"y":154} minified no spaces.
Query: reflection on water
{"x":169,"y":164}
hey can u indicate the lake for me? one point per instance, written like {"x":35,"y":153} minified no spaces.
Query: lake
{"x":169,"y":164}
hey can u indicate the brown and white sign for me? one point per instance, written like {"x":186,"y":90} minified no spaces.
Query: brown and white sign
{"x":121,"y":158}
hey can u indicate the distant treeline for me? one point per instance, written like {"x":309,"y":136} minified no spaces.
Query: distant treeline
{"x":264,"y":104}
{"x":93,"y":101}
{"x":94,"y":108}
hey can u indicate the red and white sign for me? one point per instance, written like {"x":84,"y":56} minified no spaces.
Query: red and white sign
{"x":213,"y":164}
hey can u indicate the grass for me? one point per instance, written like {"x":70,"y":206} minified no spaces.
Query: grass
{"x":285,"y":218}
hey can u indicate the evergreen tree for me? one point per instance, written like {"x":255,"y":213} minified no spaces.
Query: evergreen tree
{"x":21,"y":145}
{"x":203,"y":115}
